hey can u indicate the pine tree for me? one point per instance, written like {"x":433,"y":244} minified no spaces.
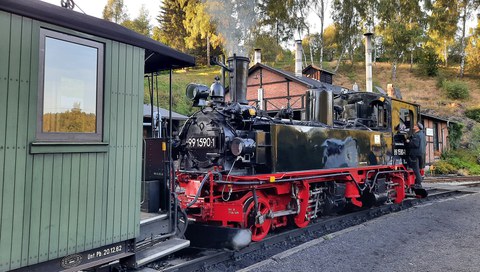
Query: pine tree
{"x":172,"y":31}
{"x":141,"y":24}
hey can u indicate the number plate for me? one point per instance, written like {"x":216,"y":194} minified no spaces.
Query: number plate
{"x":201,"y":142}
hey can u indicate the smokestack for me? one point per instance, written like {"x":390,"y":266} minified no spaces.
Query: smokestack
{"x":238,"y":78}
{"x":298,"y":58}
{"x":368,"y":59}
{"x":257,"y":58}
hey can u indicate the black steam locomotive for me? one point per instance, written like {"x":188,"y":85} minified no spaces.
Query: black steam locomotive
{"x":243,"y":169}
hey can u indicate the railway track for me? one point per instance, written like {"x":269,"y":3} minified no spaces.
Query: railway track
{"x":199,"y":259}
{"x":434,"y":179}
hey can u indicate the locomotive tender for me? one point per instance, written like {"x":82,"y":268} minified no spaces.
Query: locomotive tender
{"x":245,"y":170}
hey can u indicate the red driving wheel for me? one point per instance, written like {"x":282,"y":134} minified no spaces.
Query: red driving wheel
{"x":257,"y":221}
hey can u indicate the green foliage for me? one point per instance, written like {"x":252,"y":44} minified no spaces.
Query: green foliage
{"x":401,"y":26}
{"x":442,"y":27}
{"x":461,"y":159}
{"x":283,"y":18}
{"x":181,"y":79}
{"x":444,"y":168}
{"x":429,"y":62}
{"x":455,"y":135}
{"x":141,"y":24}
{"x":201,"y":30}
{"x":473,"y":51}
{"x":473,"y":113}
{"x":172,"y":31}
{"x":271,"y":50}
{"x":73,"y":120}
{"x":346,"y":16}
{"x":115,"y":11}
{"x":456,"y":89}
{"x":440,"y":79}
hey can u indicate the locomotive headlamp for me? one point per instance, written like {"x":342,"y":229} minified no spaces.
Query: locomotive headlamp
{"x":252,"y":112}
{"x":198,"y":93}
{"x":240,"y":147}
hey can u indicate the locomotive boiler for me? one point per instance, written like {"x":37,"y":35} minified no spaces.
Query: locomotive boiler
{"x":245,"y":170}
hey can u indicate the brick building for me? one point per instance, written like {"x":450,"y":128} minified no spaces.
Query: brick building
{"x":280,"y":88}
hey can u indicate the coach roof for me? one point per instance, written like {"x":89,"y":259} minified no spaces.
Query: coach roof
{"x":157,"y":55}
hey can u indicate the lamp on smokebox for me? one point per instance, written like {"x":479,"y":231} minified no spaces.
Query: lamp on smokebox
{"x":242,"y":147}
{"x":198,"y":93}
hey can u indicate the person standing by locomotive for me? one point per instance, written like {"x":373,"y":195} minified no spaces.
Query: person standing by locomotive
{"x":416,"y":150}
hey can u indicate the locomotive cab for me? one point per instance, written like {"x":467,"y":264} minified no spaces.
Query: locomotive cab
{"x":404,"y":116}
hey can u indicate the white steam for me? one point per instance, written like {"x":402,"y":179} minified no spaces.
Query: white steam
{"x":234,"y":20}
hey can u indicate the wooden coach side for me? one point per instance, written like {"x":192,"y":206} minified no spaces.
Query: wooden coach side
{"x":58,"y":199}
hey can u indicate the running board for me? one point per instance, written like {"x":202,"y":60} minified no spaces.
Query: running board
{"x":153,"y":219}
{"x":154,"y":226}
{"x":156,"y":252}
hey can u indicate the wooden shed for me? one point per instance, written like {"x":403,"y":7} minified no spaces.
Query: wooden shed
{"x":317,"y":73}
{"x":436,"y":132}
{"x":68,"y":187}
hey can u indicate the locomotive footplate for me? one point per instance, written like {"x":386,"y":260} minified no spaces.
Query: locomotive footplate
{"x":206,"y":236}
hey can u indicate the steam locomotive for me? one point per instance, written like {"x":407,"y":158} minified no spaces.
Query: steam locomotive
{"x":242,"y":169}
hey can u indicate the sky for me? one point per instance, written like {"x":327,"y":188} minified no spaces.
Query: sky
{"x":95,"y":7}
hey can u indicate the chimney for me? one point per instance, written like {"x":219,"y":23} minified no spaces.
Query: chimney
{"x":257,"y":58}
{"x":298,"y":58}
{"x":368,"y":59}
{"x":238,"y":78}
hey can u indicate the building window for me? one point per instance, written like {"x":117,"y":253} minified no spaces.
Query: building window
{"x":70,"y":88}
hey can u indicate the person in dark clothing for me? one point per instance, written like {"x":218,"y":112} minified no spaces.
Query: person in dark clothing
{"x":416,"y":152}
{"x":423,"y":146}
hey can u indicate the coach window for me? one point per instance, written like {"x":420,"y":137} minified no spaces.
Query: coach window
{"x":70,"y":88}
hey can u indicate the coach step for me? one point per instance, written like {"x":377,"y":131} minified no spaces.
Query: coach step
{"x":156,"y":252}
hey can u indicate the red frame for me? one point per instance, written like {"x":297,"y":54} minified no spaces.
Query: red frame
{"x":211,"y":209}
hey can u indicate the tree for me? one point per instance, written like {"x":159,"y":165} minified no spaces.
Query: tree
{"x":200,"y":27}
{"x":141,"y":24}
{"x":319,"y":10}
{"x":283,"y":18}
{"x":467,"y":7}
{"x":472,"y":50}
{"x":401,"y":23}
{"x":115,"y":11}
{"x":347,"y":21}
{"x":271,"y":50}
{"x":329,"y":44}
{"x":442,"y":26}
{"x":172,"y":31}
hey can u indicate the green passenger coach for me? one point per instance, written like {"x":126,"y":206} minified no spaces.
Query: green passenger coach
{"x":71,"y":108}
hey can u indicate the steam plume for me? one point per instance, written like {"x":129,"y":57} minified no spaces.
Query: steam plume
{"x":234,"y":20}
